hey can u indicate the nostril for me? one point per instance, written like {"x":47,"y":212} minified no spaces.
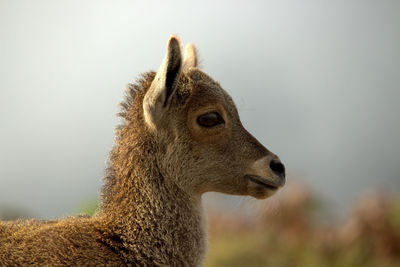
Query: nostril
{"x":277,"y":167}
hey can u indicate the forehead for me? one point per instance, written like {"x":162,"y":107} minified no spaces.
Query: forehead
{"x":207,"y":92}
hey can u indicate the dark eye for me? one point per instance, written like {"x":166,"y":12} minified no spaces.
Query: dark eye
{"x":210,"y":119}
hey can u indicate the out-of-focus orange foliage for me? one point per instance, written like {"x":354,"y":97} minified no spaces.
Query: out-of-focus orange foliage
{"x":374,"y":222}
{"x":290,"y":235}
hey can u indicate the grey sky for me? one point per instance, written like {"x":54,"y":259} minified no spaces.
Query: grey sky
{"x":317,"y":82}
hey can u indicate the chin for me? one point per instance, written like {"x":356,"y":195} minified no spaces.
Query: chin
{"x":261,"y":192}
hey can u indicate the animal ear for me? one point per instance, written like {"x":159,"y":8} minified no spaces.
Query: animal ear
{"x":158,"y":97}
{"x":190,"y":57}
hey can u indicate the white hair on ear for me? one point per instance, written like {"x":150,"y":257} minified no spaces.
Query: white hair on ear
{"x":190,"y":60}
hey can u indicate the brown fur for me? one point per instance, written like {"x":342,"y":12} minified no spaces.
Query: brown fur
{"x":162,"y":163}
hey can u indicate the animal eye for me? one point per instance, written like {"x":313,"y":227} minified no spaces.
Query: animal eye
{"x":210,"y":119}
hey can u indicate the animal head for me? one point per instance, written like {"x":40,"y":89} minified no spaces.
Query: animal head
{"x":198,"y":140}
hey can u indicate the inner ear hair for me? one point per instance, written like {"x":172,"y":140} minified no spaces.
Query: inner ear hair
{"x":172,"y":76}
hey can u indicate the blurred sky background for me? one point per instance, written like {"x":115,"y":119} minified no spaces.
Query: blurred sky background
{"x":317,"y":82}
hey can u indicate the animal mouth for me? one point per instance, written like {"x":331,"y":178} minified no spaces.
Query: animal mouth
{"x":266,"y":182}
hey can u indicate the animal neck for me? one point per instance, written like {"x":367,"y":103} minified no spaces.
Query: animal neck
{"x":148,"y":212}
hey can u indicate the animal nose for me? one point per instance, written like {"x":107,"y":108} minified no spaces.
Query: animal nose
{"x":277,"y":167}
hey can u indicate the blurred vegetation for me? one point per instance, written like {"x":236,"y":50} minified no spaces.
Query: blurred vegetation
{"x":88,"y":207}
{"x":291,"y":235}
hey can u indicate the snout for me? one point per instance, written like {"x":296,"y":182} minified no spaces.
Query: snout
{"x":278,"y":168}
{"x":265,"y":176}
{"x":269,"y":168}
